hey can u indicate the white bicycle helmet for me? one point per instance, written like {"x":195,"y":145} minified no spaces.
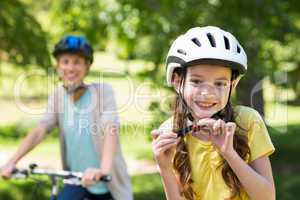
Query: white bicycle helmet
{"x":206,"y":45}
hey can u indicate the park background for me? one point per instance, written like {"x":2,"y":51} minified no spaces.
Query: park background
{"x":131,"y":39}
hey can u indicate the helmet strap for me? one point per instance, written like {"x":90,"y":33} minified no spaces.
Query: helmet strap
{"x":70,"y":89}
{"x":220,"y":114}
{"x":189,"y":110}
{"x":75,"y":91}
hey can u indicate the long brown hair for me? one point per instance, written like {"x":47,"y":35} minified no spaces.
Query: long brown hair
{"x":182,"y":163}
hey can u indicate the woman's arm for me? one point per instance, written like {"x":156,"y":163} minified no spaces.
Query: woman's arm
{"x":257,"y":179}
{"x":93,"y":175}
{"x":109,"y":148}
{"x":28,"y":143}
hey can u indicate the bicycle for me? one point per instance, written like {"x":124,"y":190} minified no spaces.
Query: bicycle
{"x":68,"y":177}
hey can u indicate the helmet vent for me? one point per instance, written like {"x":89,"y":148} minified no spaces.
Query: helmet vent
{"x":181,"y":51}
{"x":196,"y":42}
{"x":226,"y":41}
{"x":211,"y":40}
{"x":238,"y":49}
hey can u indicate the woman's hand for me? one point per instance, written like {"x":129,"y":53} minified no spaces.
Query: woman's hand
{"x":6,"y":170}
{"x":218,"y":132}
{"x":91,"y":176}
{"x":164,"y":145}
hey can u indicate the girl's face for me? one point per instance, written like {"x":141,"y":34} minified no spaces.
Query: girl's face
{"x":206,"y":89}
{"x":72,"y":69}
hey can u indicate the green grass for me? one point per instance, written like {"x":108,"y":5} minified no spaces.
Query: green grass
{"x":136,"y":142}
{"x":147,"y":187}
{"x":24,"y":189}
{"x":49,"y":146}
{"x":287,"y":186}
{"x":287,"y":146}
{"x":286,"y":161}
{"x":278,"y":114}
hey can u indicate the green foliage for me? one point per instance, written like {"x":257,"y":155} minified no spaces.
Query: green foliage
{"x":286,"y":60}
{"x":22,"y":39}
{"x":159,"y":116}
{"x":17,"y":131}
{"x":156,"y":23}
{"x":90,"y":18}
{"x":147,"y":28}
{"x":12,"y":132}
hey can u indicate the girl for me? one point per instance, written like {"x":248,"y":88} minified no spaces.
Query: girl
{"x":89,"y":126}
{"x":210,"y":150}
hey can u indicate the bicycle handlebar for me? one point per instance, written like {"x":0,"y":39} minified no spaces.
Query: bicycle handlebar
{"x":20,"y":174}
{"x":68,"y":177}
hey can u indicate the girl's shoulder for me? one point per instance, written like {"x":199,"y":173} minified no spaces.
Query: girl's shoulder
{"x":246,"y":116}
{"x":245,"y":111}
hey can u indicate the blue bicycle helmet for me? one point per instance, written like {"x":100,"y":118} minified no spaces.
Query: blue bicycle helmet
{"x":74,"y":44}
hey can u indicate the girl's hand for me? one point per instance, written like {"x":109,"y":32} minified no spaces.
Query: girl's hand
{"x":164,"y":145}
{"x":218,"y":132}
{"x":203,"y":128}
{"x":91,"y":176}
{"x":222,"y":137}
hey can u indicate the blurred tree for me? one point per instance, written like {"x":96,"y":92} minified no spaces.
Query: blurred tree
{"x":22,"y":39}
{"x":256,"y":23}
{"x":286,"y":59}
{"x":150,"y":26}
{"x":145,"y":30}
{"x":89,"y":17}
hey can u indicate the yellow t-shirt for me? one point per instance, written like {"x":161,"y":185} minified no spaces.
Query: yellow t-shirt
{"x":208,"y":181}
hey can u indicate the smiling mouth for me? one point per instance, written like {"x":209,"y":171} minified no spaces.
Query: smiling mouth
{"x":71,"y":77}
{"x":206,"y":105}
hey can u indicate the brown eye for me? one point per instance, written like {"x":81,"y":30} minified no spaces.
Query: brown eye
{"x":65,"y":61}
{"x":221,"y":84}
{"x":196,"y":81}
